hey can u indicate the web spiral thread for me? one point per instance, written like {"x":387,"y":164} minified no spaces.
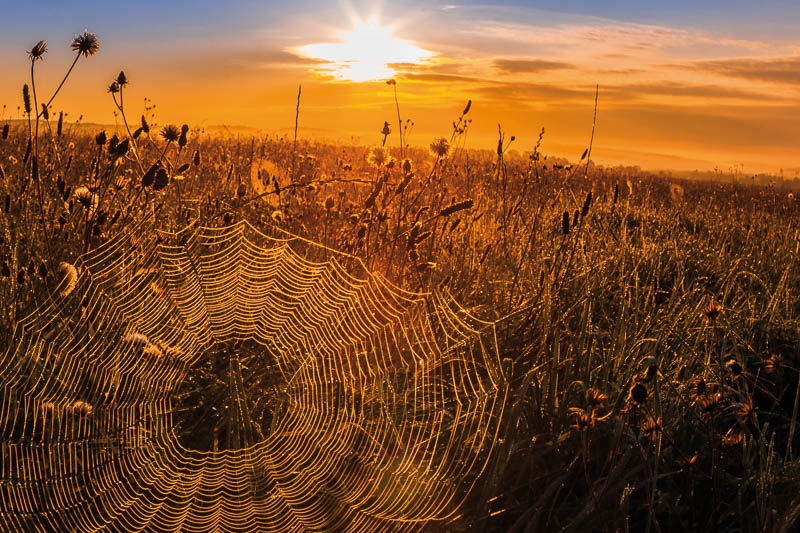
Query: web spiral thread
{"x":219,"y":379}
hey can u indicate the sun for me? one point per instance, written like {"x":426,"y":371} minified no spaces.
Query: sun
{"x":365,"y":53}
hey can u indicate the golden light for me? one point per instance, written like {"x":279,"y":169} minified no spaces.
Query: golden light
{"x":365,"y":53}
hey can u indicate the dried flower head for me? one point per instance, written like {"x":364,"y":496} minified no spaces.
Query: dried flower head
{"x":113,"y":87}
{"x":69,"y":278}
{"x":38,"y":51}
{"x":86,"y":44}
{"x":170,"y":133}
{"x":595,"y":398}
{"x":122,"y":79}
{"x":87,"y":199}
{"x":700,"y":387}
{"x":406,"y":165}
{"x":583,"y":420}
{"x":710,"y":402}
{"x":377,"y":156}
{"x":440,"y":147}
{"x":277,"y":216}
{"x":712,"y":310}
{"x":651,"y":428}
{"x":26,"y":98}
{"x":774,"y":364}
{"x":136,"y":339}
{"x":732,"y":438}
{"x":748,"y":408}
{"x":82,"y":408}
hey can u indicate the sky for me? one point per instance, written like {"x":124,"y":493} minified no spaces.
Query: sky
{"x":682,"y":85}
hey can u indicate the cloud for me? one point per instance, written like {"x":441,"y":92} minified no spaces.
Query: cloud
{"x":438,"y":77}
{"x":526,"y":93}
{"x":519,"y":66}
{"x":774,"y":70}
{"x":626,"y":92}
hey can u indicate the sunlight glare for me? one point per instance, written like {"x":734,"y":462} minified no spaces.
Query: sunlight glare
{"x":365,"y":53}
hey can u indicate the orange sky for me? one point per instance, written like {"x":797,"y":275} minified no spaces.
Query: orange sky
{"x":671,"y":96}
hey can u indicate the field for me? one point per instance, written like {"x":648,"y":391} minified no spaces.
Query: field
{"x":648,"y":327}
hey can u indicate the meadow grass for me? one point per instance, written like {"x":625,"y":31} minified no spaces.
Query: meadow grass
{"x":652,"y":324}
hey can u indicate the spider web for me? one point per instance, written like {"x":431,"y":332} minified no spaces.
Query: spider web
{"x":219,"y":379}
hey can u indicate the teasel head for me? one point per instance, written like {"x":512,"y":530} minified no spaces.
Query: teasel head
{"x":26,"y":98}
{"x":122,"y":79}
{"x":565,"y":223}
{"x":586,"y":205}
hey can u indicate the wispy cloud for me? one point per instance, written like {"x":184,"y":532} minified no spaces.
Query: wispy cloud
{"x":528,"y":66}
{"x":775,"y":70}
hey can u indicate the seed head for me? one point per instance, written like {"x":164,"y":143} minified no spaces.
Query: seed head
{"x":377,"y":156}
{"x":651,"y":428}
{"x":773,"y":364}
{"x":710,"y":402}
{"x":732,"y":439}
{"x":748,"y":408}
{"x":595,"y":398}
{"x":26,"y":98}
{"x":712,"y":310}
{"x":69,"y":278}
{"x":170,"y":133}
{"x":86,"y":44}
{"x":82,"y":408}
{"x":122,"y":79}
{"x":38,"y":51}
{"x":700,"y":387}
{"x":440,"y":147}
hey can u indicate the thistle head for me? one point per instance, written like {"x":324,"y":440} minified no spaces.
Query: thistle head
{"x":170,"y":133}
{"x":85,"y":44}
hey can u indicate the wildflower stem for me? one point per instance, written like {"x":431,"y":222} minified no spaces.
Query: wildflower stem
{"x":72,"y":66}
